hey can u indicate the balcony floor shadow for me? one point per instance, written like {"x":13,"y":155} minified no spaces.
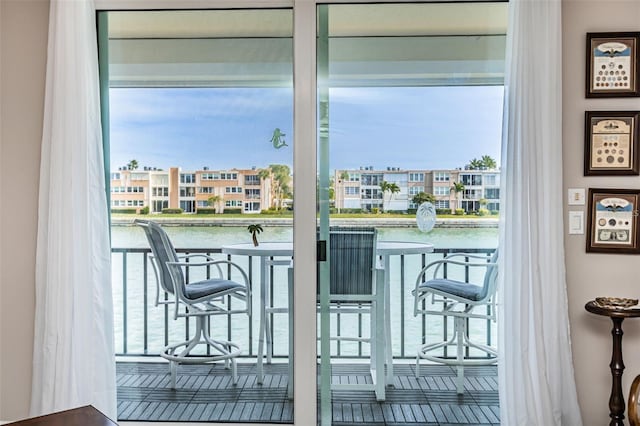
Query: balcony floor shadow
{"x":205,"y":393}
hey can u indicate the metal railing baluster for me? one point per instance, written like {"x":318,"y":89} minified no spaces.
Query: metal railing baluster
{"x":146,"y":342}
{"x":124,"y":303}
{"x":145,"y":309}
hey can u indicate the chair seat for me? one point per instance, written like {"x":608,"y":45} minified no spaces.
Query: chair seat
{"x":204,"y":288}
{"x":455,"y":288}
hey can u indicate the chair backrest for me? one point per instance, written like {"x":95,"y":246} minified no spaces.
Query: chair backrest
{"x":352,"y":257}
{"x":163,"y":251}
{"x":490,"y":277}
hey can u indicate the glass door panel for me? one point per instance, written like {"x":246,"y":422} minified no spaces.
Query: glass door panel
{"x":409,"y":110}
{"x":201,"y":142}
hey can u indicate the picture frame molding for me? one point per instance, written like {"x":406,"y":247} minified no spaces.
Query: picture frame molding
{"x":634,"y":144}
{"x":634,"y":90}
{"x":592,"y":243}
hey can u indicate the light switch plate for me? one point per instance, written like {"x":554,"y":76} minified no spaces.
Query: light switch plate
{"x":576,"y":197}
{"x":576,"y":222}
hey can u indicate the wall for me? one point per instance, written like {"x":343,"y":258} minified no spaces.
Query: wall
{"x":23,"y":37}
{"x":23,"y":29}
{"x":590,"y":275}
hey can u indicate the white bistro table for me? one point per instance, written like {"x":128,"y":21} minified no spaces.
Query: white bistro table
{"x":280,"y":253}
{"x":270,"y":253}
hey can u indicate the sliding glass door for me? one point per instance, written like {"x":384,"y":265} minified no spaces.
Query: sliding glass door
{"x":201,"y":142}
{"x":409,"y":96}
{"x":393,"y":105}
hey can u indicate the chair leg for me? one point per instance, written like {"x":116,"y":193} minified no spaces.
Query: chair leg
{"x":229,"y":363}
{"x":461,"y":341}
{"x":460,"y":331}
{"x":195,"y":341}
{"x":173,"y":367}
{"x":268,"y":338}
{"x":378,"y":347}
{"x":460,"y":380}
{"x":227,"y":351}
{"x":234,"y":371}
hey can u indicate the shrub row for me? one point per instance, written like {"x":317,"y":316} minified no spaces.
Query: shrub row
{"x":172,"y":211}
{"x":273,"y":210}
{"x":231,"y":211}
{"x":205,"y":211}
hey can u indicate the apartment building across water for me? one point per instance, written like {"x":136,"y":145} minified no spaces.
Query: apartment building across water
{"x":238,"y":190}
{"x":243,"y":190}
{"x":359,"y":189}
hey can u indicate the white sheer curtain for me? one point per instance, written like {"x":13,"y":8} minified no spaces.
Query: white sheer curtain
{"x":537,"y":385}
{"x":73,"y":360}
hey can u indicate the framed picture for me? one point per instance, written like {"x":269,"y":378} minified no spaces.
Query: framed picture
{"x":612,"y":223}
{"x":611,"y":143}
{"x":612,"y":64}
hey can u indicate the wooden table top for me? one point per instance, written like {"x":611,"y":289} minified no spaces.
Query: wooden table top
{"x":610,"y":311}
{"x":83,"y":416}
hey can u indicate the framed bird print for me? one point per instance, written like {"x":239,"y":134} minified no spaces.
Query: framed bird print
{"x":613,"y":221}
{"x":612,"y":64}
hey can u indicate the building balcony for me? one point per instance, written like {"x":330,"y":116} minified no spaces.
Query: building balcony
{"x":205,"y":393}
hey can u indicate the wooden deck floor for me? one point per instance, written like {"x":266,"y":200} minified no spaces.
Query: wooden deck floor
{"x":205,"y":393}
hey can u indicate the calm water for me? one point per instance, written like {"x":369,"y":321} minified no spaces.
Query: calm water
{"x":213,"y":236}
{"x":405,"y":327}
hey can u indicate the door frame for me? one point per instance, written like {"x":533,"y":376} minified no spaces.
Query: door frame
{"x":304,"y":169}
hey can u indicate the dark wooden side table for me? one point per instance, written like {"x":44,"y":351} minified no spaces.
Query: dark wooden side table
{"x":83,"y":416}
{"x":617,"y":315}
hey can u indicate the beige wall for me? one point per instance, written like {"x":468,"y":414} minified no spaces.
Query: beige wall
{"x":591,"y":275}
{"x":23,"y":36}
{"x":23,"y":28}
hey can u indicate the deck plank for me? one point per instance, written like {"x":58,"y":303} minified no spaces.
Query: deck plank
{"x":205,"y":393}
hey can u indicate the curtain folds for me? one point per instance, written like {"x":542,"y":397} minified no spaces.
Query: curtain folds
{"x":73,"y":360}
{"x":536,"y":378}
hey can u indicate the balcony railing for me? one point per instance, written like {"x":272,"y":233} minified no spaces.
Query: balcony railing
{"x":142,"y":329}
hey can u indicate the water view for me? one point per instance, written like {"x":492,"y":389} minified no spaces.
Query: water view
{"x":405,"y":327}
{"x":217,"y":236}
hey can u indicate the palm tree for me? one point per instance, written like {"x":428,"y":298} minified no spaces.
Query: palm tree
{"x":423,"y":197}
{"x":213,"y":200}
{"x":133,"y":164}
{"x":475,"y":164}
{"x":343,"y":177}
{"x":255,"y":229}
{"x":488,"y":162}
{"x":265,"y":174}
{"x":281,"y":181}
{"x":391,"y":188}
{"x":458,"y":188}
{"x":280,"y":175}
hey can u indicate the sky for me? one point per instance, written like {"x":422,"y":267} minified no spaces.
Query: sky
{"x":224,"y":128}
